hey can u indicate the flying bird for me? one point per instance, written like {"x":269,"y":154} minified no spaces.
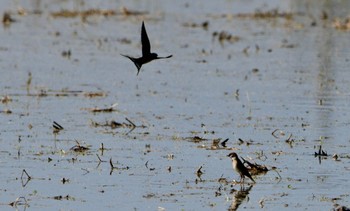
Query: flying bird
{"x":239,"y":167}
{"x":147,"y":56}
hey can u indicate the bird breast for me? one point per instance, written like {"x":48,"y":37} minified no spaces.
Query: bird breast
{"x":234,"y":163}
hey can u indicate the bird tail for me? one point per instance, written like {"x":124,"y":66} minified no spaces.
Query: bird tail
{"x":134,"y":60}
{"x":250,"y":177}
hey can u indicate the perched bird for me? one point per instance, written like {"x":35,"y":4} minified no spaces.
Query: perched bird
{"x":239,"y":167}
{"x":147,"y":56}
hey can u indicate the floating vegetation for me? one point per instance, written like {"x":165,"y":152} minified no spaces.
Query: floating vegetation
{"x":83,"y":14}
{"x":95,"y":12}
{"x":108,"y":109}
{"x":274,"y":13}
{"x":224,"y":36}
{"x":343,"y":25}
{"x":113,"y":125}
{"x":94,"y":94}
{"x":217,"y":145}
{"x":6,"y":111}
{"x":204,"y":25}
{"x":6,"y":99}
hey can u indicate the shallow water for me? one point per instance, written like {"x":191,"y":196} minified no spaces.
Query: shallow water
{"x":283,"y":73}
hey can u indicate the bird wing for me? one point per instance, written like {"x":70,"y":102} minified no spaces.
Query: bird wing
{"x":146,"y":46}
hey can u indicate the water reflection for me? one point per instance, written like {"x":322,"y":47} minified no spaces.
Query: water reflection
{"x":238,"y":196}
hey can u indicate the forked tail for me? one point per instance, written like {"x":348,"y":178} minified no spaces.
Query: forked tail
{"x":134,"y":60}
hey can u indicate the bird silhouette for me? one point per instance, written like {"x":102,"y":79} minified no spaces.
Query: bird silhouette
{"x":147,"y":56}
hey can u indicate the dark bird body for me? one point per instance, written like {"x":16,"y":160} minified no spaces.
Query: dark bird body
{"x":239,"y":167}
{"x":147,"y":56}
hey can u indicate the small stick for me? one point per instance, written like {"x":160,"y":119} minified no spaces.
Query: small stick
{"x":133,"y":125}
{"x":25,"y":172}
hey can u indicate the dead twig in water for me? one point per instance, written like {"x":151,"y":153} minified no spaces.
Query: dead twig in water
{"x":275,"y":131}
{"x":56,"y":127}
{"x":25,"y":172}
{"x":223,"y":144}
{"x":199,"y":172}
{"x":116,"y":168}
{"x":151,"y":169}
{"x":99,"y":159}
{"x":25,"y":181}
{"x":19,"y":201}
{"x":279,"y":176}
{"x":320,"y":154}
{"x":112,"y":166}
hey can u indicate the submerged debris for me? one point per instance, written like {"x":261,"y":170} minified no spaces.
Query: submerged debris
{"x":204,"y":25}
{"x":66,"y":54}
{"x":79,"y":148}
{"x":225,"y":36}
{"x":196,"y":139}
{"x":7,"y":19}
{"x":60,"y":197}
{"x":335,"y":157}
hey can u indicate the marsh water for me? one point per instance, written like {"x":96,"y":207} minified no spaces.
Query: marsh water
{"x":271,"y":76}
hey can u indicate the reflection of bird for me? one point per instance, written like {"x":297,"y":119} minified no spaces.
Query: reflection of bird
{"x":239,"y":167}
{"x":238,"y":196}
{"x":147,"y":56}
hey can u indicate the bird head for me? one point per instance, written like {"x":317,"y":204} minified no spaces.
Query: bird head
{"x":154,"y":55}
{"x":232,"y":155}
